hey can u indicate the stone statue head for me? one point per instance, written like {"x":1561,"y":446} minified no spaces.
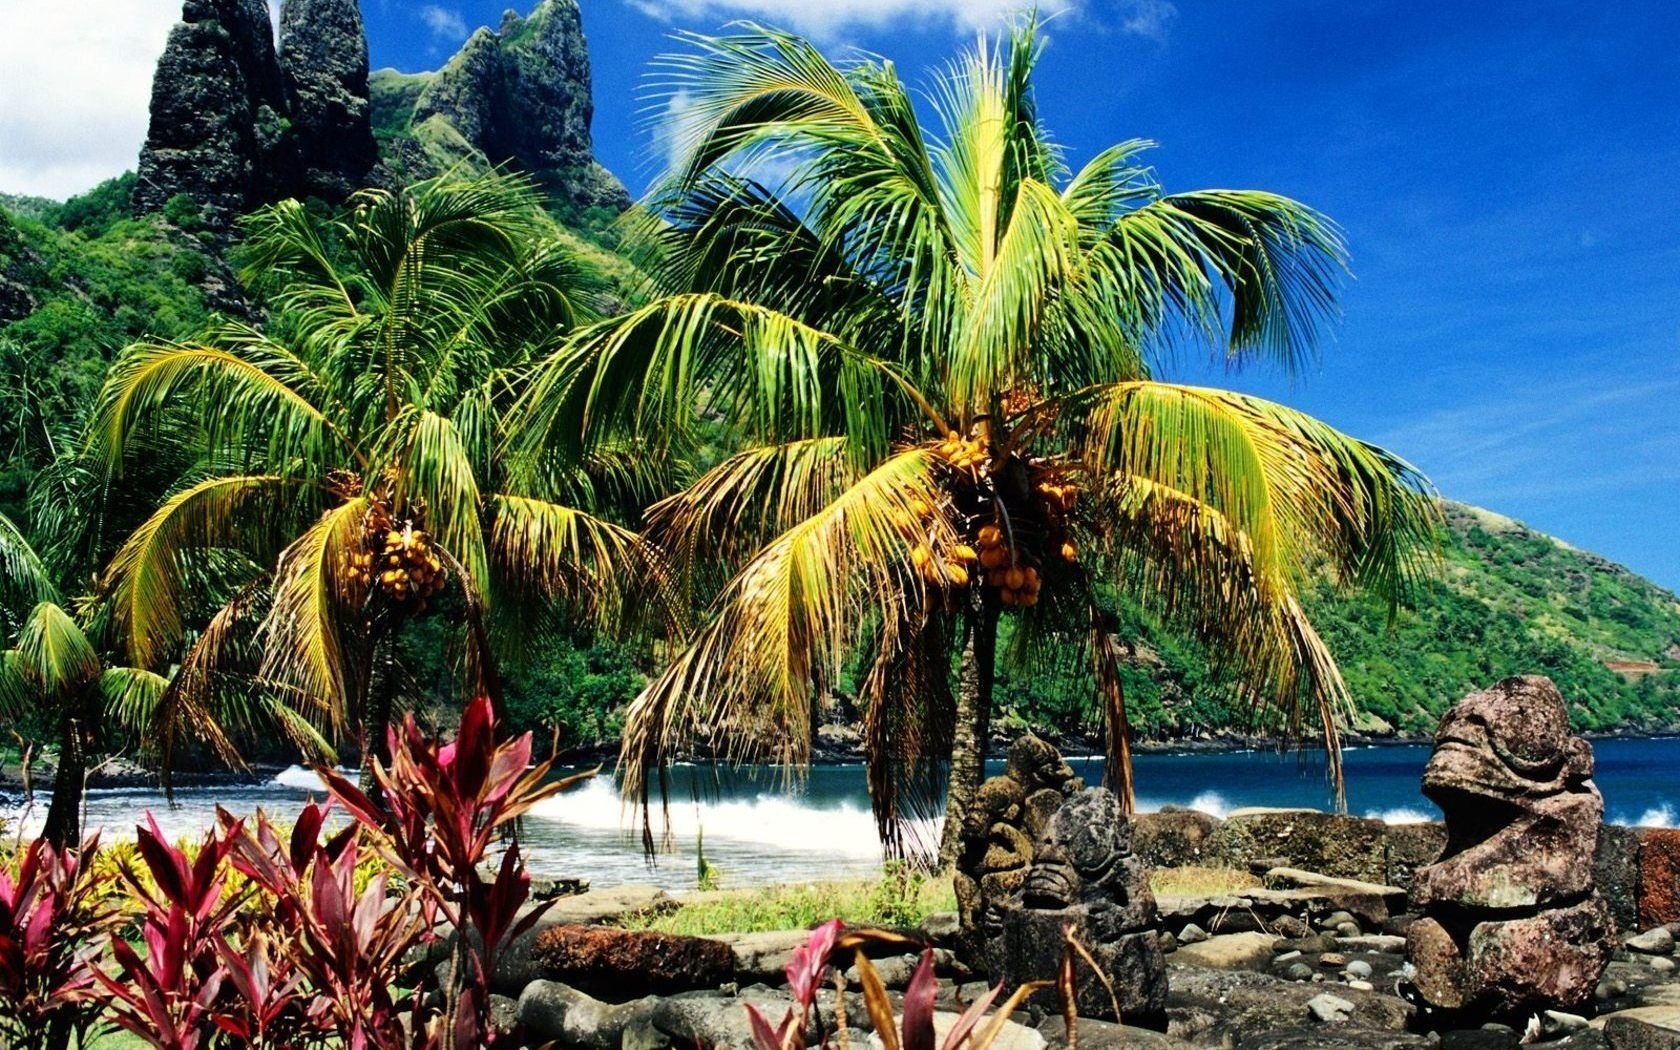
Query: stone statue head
{"x":1081,"y":856}
{"x":1509,"y":742}
{"x":1035,"y":764}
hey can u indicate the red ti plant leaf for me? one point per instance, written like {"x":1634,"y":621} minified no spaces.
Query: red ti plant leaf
{"x":53,"y":925}
{"x":918,"y":1005}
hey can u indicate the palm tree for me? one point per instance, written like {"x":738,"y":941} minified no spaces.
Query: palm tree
{"x":54,"y":670}
{"x":349,"y":459}
{"x":934,"y":353}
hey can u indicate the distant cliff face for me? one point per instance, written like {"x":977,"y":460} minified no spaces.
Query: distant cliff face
{"x":237,"y":124}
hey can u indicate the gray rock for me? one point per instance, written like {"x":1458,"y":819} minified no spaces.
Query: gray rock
{"x":1192,"y":934}
{"x":1299,"y":972}
{"x":1629,"y":1033}
{"x":1228,"y":951}
{"x":1660,"y":964}
{"x":522,"y":95}
{"x":1347,"y":929}
{"x":324,"y":56}
{"x":1359,"y":969}
{"x":1329,"y":1009}
{"x":1361,"y":986}
{"x":1013,"y":1035}
{"x":1655,"y":941}
{"x":218,"y":115}
{"x":555,"y":1011}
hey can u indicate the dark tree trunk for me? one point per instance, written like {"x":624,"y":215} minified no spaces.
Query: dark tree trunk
{"x":64,"y":815}
{"x":376,"y":714}
{"x":973,"y":724}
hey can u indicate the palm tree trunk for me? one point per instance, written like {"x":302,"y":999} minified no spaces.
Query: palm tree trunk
{"x":376,"y":716}
{"x":64,"y":815}
{"x":974,"y":724}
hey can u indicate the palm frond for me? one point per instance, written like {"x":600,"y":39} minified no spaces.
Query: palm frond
{"x":55,"y":656}
{"x":781,"y":630}
{"x":308,"y":645}
{"x":149,"y":580}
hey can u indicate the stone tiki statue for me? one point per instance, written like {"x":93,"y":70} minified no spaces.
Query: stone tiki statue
{"x":1511,"y":923}
{"x":1042,"y":854}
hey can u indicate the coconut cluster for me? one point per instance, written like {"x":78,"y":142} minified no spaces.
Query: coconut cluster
{"x":397,"y":560}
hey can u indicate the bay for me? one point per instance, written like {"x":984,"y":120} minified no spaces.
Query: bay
{"x":755,"y":828}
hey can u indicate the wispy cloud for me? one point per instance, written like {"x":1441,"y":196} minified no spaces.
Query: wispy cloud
{"x":445,"y":24}
{"x":1147,"y":18}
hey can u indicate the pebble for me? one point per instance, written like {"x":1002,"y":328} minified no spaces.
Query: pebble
{"x":1285,"y":958}
{"x":1169,"y":943}
{"x":1610,"y":989}
{"x":1362,"y":986}
{"x":1347,"y":929}
{"x":1332,"y":959}
{"x":1359,"y":969}
{"x":1329,"y":1009}
{"x":1554,"y":1022}
{"x":1656,"y":941}
{"x":1299,"y":972}
{"x":1660,"y":964}
{"x":1335,"y":919}
{"x":1192,"y":934}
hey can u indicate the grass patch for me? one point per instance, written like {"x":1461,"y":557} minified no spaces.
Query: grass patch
{"x":1200,"y":882}
{"x":898,"y":898}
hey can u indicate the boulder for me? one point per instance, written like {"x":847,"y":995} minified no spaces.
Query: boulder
{"x":1105,"y":1035}
{"x":1628,"y":1033}
{"x":605,"y":960}
{"x":1173,"y":838}
{"x":1655,"y":941}
{"x":1511,"y":924}
{"x":1659,"y":876}
{"x":1616,"y":873}
{"x":1228,"y":951}
{"x":1410,"y":847}
{"x":550,"y":1010}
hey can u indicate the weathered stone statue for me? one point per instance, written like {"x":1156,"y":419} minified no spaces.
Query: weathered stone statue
{"x":1510,"y":921}
{"x":1042,"y":854}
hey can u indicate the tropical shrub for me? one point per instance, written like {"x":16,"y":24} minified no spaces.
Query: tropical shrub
{"x":53,"y":925}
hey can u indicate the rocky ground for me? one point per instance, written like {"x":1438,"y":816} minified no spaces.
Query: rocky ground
{"x":1304,"y":962}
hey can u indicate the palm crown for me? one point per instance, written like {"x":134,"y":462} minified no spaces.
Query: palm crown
{"x":350,"y":459}
{"x":934,"y":354}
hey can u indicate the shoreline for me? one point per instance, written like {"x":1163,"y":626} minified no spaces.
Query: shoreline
{"x":828,"y":752}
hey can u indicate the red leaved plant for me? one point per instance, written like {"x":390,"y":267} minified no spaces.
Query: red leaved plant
{"x":166,"y":996}
{"x":442,"y":806}
{"x":53,"y":927}
{"x":915,"y":1031}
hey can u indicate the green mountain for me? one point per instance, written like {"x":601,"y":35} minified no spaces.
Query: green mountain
{"x":1505,"y":600}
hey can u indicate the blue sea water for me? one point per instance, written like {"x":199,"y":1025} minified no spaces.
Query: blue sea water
{"x":757,"y":829}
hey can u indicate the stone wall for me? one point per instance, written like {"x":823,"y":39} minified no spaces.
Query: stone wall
{"x":1636,"y":870}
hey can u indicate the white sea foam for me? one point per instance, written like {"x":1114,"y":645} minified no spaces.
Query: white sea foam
{"x":302,"y":778}
{"x":787,"y":822}
{"x":1210,"y":802}
{"x":1401,"y":815}
{"x":1661,"y":816}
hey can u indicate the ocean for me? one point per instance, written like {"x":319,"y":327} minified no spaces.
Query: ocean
{"x":755,"y":829}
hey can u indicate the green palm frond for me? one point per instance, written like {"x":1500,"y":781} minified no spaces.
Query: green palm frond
{"x":55,"y":656}
{"x":155,"y":572}
{"x":781,"y":629}
{"x":309,"y":646}
{"x":551,"y":554}
{"x":24,"y":577}
{"x":131,"y":696}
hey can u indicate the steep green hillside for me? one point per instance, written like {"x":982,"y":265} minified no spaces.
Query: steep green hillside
{"x":1506,"y":600}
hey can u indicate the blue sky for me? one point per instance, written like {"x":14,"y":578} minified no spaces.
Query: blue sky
{"x":1506,"y":173}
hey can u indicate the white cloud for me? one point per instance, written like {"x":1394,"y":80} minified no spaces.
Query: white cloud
{"x":445,"y":24}
{"x":1147,"y":18}
{"x":825,"y":18}
{"x":76,"y":89}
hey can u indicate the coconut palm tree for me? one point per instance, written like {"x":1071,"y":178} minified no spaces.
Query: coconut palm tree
{"x":350,"y":474}
{"x":53,"y":671}
{"x":934,"y":350}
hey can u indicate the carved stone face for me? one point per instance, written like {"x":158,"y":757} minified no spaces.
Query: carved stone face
{"x":1082,"y":854}
{"x":1508,"y":743}
{"x":1035,"y":764}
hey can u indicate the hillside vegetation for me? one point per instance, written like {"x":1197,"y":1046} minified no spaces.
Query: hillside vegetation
{"x":1506,"y":600}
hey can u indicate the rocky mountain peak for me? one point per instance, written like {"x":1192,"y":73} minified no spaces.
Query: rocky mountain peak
{"x":324,"y":56}
{"x":219,"y":128}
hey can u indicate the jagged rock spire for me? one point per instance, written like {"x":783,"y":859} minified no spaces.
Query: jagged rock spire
{"x":324,"y":57}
